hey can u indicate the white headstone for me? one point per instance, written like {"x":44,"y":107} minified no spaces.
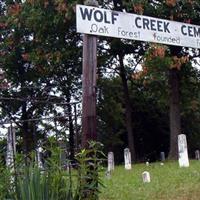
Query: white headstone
{"x":162,"y":156}
{"x":197,"y":155}
{"x":127,"y":158}
{"x":11,"y":148}
{"x":147,"y":163}
{"x":11,"y":151}
{"x":111,"y":164}
{"x":63,"y":153}
{"x":108,"y":174}
{"x":182,"y":150}
{"x":68,"y":165}
{"x":146,"y":177}
{"x":39,"y":157}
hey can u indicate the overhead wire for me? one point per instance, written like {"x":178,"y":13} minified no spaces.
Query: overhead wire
{"x":40,"y":118}
{"x":40,"y":101}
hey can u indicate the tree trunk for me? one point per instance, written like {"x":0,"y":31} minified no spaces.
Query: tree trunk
{"x":174,"y":113}
{"x":128,"y":110}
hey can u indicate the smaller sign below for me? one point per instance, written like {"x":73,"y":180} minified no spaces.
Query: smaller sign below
{"x":102,"y":22}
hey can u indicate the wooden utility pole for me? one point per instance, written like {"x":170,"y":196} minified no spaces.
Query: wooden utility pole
{"x":89,"y":184}
{"x":89,"y":85}
{"x":89,"y":89}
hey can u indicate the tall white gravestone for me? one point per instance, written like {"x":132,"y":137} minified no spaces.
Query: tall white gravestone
{"x":111,"y":163}
{"x":39,"y":155}
{"x":11,"y":151}
{"x":11,"y":148}
{"x":197,"y":155}
{"x":182,"y":151}
{"x":127,"y":158}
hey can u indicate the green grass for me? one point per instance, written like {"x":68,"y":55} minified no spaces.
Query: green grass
{"x":168,"y":182}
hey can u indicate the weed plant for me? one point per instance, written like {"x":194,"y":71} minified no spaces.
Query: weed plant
{"x":53,"y":182}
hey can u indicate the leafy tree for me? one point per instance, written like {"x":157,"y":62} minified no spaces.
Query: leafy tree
{"x":111,"y":127}
{"x":184,"y":11}
{"x":41,"y":62}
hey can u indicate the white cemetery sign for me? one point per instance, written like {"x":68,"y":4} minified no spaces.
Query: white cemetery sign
{"x":146,"y":177}
{"x":127,"y":158}
{"x":182,"y":150}
{"x":111,"y":164}
{"x":96,"y":21}
{"x":197,"y":155}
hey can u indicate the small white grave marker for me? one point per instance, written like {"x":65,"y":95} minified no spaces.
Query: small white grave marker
{"x":63,"y":153}
{"x":111,"y":164}
{"x":127,"y":158}
{"x":162,"y":156}
{"x":182,"y":150}
{"x":197,"y":155}
{"x":108,"y":174}
{"x":146,"y":177}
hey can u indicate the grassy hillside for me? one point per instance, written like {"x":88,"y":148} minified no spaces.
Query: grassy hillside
{"x":168,"y":182}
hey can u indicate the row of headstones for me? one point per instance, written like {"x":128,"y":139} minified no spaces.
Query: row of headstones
{"x":127,"y":159}
{"x":182,"y":149}
{"x":39,"y":152}
{"x":11,"y":149}
{"x":182,"y":152}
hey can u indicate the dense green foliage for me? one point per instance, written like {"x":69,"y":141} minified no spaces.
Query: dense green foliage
{"x":149,"y":88}
{"x":54,"y":181}
{"x":41,"y":75}
{"x":41,"y":65}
